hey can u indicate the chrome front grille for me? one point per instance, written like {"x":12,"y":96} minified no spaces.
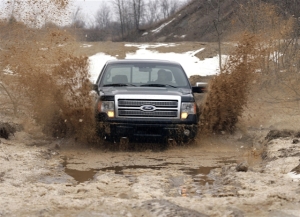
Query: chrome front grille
{"x":138,"y":103}
{"x":131,"y":106}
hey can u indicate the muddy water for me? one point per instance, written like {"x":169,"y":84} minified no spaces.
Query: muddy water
{"x":199,"y":175}
{"x":86,"y":170}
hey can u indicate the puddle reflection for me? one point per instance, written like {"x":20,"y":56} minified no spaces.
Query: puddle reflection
{"x":200,"y":175}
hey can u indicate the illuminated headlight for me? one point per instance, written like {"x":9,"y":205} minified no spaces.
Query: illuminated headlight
{"x":187,"y":108}
{"x":108,"y":107}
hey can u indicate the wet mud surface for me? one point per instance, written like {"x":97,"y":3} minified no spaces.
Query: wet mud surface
{"x":59,"y":177}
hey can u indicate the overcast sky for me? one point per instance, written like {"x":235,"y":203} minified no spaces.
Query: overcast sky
{"x":90,"y":7}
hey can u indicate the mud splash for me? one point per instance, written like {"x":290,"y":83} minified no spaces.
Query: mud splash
{"x":51,"y":85}
{"x":46,"y":82}
{"x":228,"y":91}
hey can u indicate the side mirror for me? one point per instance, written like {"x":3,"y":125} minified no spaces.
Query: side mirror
{"x":200,"y":88}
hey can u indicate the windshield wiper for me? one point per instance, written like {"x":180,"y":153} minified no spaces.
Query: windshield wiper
{"x":158,"y":85}
{"x":118,"y":85}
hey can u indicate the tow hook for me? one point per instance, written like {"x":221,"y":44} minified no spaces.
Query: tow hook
{"x":124,"y":143}
{"x":171,"y":142}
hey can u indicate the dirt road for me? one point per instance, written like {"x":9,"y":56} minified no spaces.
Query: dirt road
{"x":57,"y":177}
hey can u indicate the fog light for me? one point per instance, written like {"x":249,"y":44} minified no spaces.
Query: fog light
{"x":111,"y":114}
{"x":186,"y":132}
{"x":184,"y":115}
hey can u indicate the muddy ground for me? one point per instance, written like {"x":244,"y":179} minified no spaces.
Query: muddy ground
{"x":247,"y":173}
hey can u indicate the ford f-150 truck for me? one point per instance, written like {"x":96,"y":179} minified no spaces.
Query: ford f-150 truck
{"x":146,"y":99}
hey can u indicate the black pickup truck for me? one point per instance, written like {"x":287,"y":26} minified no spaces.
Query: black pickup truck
{"x":146,"y":100}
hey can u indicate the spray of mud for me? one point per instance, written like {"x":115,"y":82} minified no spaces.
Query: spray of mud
{"x":48,"y":83}
{"x":228,"y":91}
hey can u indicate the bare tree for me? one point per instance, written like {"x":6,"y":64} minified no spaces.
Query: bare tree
{"x":128,"y":16}
{"x":168,"y":7}
{"x":133,"y":13}
{"x":119,"y":6}
{"x":138,"y":6}
{"x":103,"y":16}
{"x":77,"y":18}
{"x":217,"y":23}
{"x":174,"y":6}
{"x":153,"y":12}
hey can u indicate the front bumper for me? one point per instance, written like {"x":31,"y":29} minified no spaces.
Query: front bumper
{"x":147,"y":132}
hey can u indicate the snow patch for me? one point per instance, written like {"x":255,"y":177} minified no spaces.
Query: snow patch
{"x":97,"y":62}
{"x":162,"y":26}
{"x":294,"y":176}
{"x":191,"y":64}
{"x":145,"y":46}
{"x":193,"y":53}
{"x":8,"y":71}
{"x":86,"y":45}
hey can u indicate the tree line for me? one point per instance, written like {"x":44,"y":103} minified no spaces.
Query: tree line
{"x":119,"y":18}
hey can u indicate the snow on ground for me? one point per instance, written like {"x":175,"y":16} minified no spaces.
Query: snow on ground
{"x":191,"y":64}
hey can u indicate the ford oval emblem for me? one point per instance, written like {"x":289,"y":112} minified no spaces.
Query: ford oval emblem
{"x":148,"y":108}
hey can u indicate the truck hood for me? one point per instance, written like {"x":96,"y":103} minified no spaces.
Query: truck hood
{"x":112,"y":91}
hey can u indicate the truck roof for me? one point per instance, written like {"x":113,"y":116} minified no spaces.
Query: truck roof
{"x":142,"y":61}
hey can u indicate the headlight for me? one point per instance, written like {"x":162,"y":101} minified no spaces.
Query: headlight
{"x":107,"y":107}
{"x":187,"y":108}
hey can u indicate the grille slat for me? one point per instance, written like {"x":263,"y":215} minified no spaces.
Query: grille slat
{"x":148,"y":114}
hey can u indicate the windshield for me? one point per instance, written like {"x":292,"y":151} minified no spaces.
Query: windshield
{"x":144,"y":75}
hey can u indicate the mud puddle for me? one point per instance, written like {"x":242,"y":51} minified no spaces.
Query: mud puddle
{"x":199,"y":175}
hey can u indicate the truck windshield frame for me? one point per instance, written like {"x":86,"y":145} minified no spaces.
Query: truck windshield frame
{"x":144,"y":75}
